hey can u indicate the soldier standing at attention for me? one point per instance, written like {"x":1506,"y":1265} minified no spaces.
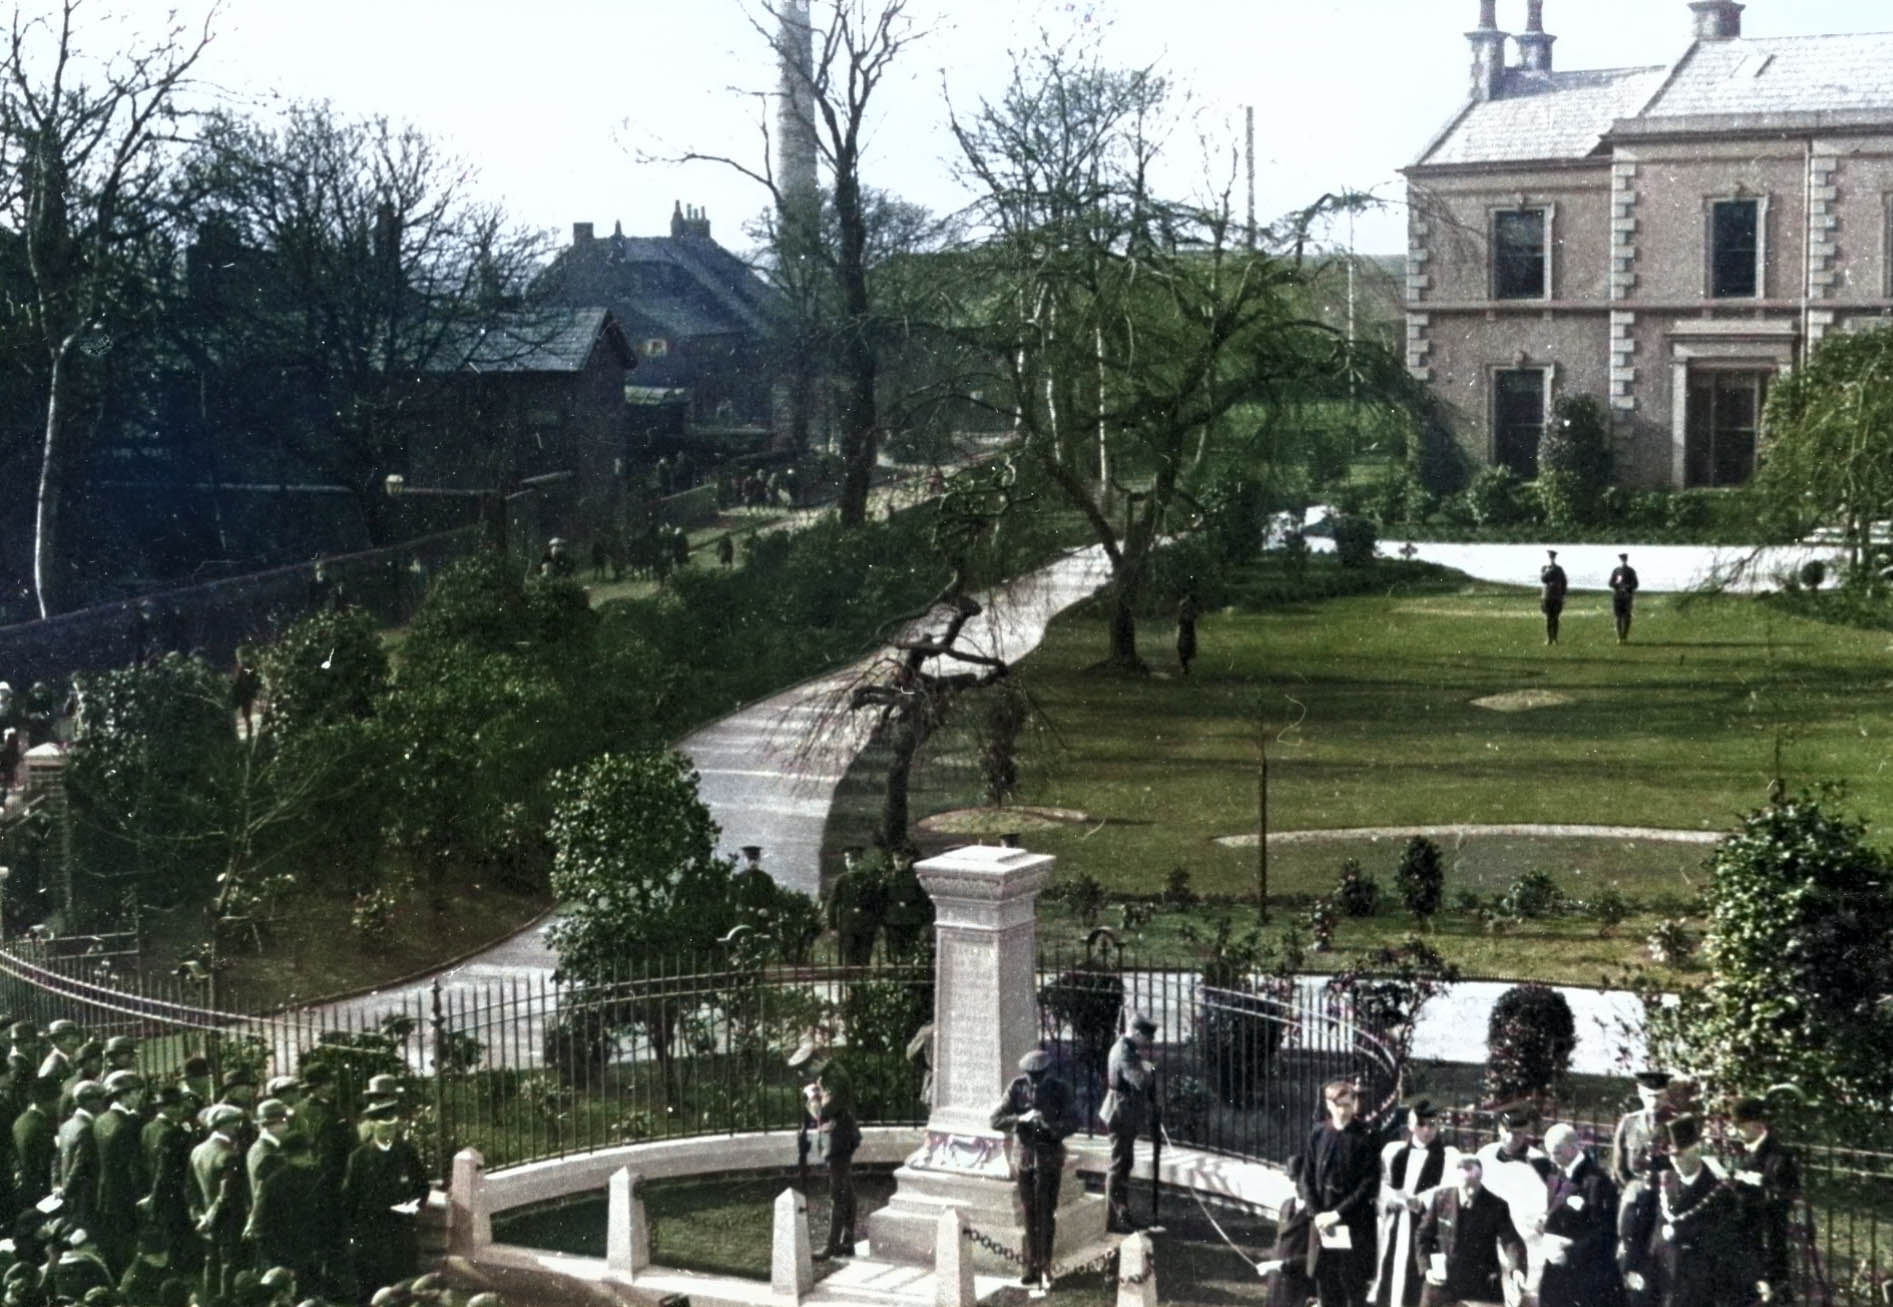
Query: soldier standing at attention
{"x":1623,"y":593}
{"x":1037,"y":1110}
{"x":1553,"y":585}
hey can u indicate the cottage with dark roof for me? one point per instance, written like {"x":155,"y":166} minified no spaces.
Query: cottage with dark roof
{"x":1667,"y":239}
{"x":697,"y":315}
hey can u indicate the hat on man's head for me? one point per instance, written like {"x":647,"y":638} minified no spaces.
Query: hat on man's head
{"x":88,"y":1091}
{"x":318,"y":1074}
{"x":278,"y":1085}
{"x":22,"y":1030}
{"x":272,"y":1109}
{"x":120,"y":1044}
{"x":1653,"y":1079}
{"x":1685,"y":1132}
{"x":1751,"y":1109}
{"x":195,"y":1067}
{"x":1035,"y":1061}
{"x":1552,"y":552}
{"x":223,"y":1114}
{"x":63,"y":1027}
{"x":381,"y":1112}
{"x":238,"y":1075}
{"x":1625,"y":557}
{"x":167,"y":1096}
{"x":384,"y":1086}
{"x":120,"y":1082}
{"x":1143,"y":1025}
{"x":1519,"y":1116}
{"x":1423,"y":1109}
{"x":92,"y":1048}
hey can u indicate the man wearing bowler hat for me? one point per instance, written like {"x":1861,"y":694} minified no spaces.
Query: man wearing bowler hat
{"x":122,"y":1179}
{"x":1037,"y":1109}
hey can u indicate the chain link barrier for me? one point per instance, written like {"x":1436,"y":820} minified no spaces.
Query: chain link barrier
{"x":1101,"y":1263}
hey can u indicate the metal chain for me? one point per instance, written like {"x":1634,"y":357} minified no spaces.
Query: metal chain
{"x":992,"y":1245}
{"x":1057,"y":1271}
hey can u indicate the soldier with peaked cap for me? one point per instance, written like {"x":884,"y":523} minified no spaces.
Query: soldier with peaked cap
{"x":1635,"y":1144}
{"x":220,"y":1198}
{"x":384,"y":1174}
{"x":165,"y":1207}
{"x":1038,"y":1111}
{"x":122,"y":1178}
{"x":36,"y":1143}
{"x":77,"y":1171}
{"x":1552,"y":587}
{"x":1130,"y":1083}
{"x":1411,"y":1172}
{"x":1623,"y":594}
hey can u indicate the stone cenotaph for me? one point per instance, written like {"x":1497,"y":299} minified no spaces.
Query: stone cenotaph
{"x":985,"y":1013}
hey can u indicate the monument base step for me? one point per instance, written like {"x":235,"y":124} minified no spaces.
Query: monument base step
{"x":891,"y":1284}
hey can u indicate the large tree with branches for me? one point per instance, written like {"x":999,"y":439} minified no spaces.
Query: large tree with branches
{"x":85,"y":148}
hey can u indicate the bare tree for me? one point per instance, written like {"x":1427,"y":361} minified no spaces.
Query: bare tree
{"x":85,"y":146}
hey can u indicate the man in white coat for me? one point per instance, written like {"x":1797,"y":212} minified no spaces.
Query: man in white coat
{"x":1518,"y":1171}
{"x":1411,"y":1171}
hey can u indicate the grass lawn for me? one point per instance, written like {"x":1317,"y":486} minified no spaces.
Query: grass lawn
{"x":1368,"y":706}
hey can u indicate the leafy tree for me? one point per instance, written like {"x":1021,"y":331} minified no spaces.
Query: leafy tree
{"x":634,"y":858}
{"x":1421,"y":876}
{"x":1824,"y":456}
{"x":1387,"y":989}
{"x":85,"y":148}
{"x":1530,"y":1035}
{"x":1574,"y":462}
{"x":1799,"y":912}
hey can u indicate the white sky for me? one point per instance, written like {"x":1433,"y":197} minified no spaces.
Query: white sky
{"x":552,"y":99}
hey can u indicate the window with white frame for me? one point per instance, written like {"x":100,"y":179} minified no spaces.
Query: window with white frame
{"x":1521,"y":260}
{"x":1518,"y":418}
{"x":1735,"y":248}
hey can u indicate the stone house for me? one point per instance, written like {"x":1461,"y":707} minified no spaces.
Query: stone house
{"x":1667,"y":238}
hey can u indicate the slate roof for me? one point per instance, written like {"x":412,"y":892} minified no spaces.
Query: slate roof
{"x":673,"y":286}
{"x":552,"y":339}
{"x":1566,"y":115}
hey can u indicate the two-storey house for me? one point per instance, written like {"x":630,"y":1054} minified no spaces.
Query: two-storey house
{"x":1666,"y":238}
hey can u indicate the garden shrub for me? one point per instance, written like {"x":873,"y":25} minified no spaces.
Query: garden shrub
{"x":1574,"y":461}
{"x":1496,"y":497}
{"x":1353,"y":540}
{"x":1176,"y":889}
{"x":1672,"y":943}
{"x":1239,"y":1023}
{"x":1357,"y":894}
{"x":1530,"y":1036}
{"x":1421,"y":876}
{"x":1608,"y":908}
{"x":1086,"y":1001}
{"x":1531,"y":894}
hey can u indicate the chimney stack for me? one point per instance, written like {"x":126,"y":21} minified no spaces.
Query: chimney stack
{"x":1534,"y":47}
{"x":581,"y":233}
{"x":1717,"y":20}
{"x":1488,"y":52}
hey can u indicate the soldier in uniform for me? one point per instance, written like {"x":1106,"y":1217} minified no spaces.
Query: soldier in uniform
{"x":1037,"y":1109}
{"x":1635,"y":1143}
{"x":122,"y":1178}
{"x":1579,"y":1228}
{"x":1411,"y":1171}
{"x":854,"y":914}
{"x":1552,"y":587}
{"x":220,"y":1198}
{"x":1767,"y":1185}
{"x":166,"y":1205}
{"x":36,"y":1144}
{"x":1459,"y":1240}
{"x":384,"y":1174}
{"x":907,"y":914}
{"x":77,"y":1170}
{"x":1623,"y":593}
{"x":1130,"y":1083}
{"x":1340,"y":1179}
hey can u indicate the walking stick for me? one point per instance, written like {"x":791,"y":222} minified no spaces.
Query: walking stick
{"x":1156,"y":1158}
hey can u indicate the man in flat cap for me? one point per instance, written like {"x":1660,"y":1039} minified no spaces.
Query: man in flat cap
{"x":1340,"y":1179}
{"x":1459,"y":1240}
{"x":265,"y":1155}
{"x":36,"y":1143}
{"x":1130,"y":1083}
{"x":1411,"y":1171}
{"x":221,"y":1198}
{"x":77,"y":1171}
{"x":380,"y":1192}
{"x":1767,"y":1182}
{"x":65,"y":1038}
{"x":165,"y":1207}
{"x":1635,"y":1144}
{"x":122,"y":1178}
{"x":1037,"y":1109}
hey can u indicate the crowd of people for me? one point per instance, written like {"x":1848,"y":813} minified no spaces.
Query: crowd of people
{"x":1657,"y":1222}
{"x":117,"y":1187}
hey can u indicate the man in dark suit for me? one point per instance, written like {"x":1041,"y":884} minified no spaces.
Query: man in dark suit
{"x":1340,"y":1180}
{"x":1459,"y":1240}
{"x":1767,"y":1186}
{"x":289,"y":1196}
{"x":36,"y":1143}
{"x":1580,"y":1228}
{"x":77,"y":1170}
{"x":166,"y":1206}
{"x":122,"y":1178}
{"x":384,"y":1175}
{"x":1038,"y":1110}
{"x":331,"y":1138}
{"x":220,"y":1198}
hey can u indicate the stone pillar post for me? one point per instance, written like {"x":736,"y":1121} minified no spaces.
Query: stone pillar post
{"x":46,"y":775}
{"x":791,"y":1265}
{"x":985,"y":1017}
{"x":627,"y":1233}
{"x":952,"y":1262}
{"x":1136,"y":1272}
{"x":469,"y":1216}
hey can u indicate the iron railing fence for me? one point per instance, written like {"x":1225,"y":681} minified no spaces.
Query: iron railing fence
{"x":528,"y":1067}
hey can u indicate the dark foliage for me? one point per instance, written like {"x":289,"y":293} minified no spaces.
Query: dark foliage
{"x":1530,"y":1036}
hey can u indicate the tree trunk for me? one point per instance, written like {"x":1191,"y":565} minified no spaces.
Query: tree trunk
{"x":1124,"y":630}
{"x":48,"y":565}
{"x":858,"y":417}
{"x":904,"y":741}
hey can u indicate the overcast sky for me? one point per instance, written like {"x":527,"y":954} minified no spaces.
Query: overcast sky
{"x":554,"y":99}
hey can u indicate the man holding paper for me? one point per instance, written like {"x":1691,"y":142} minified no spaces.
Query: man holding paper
{"x":1459,"y":1240}
{"x":1340,"y":1181}
{"x":1580,"y":1228}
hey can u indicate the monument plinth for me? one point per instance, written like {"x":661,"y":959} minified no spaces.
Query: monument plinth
{"x":985,"y":1018}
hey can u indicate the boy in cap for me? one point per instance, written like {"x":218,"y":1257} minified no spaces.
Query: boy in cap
{"x":1037,"y":1109}
{"x":1130,"y":1083}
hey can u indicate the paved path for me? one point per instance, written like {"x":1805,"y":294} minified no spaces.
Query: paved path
{"x":1660,"y":568}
